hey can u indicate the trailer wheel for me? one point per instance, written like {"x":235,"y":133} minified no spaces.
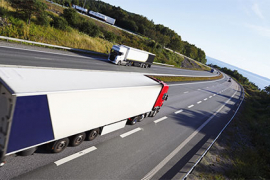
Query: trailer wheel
{"x":141,"y":117}
{"x":134,"y":120}
{"x":91,"y":135}
{"x":59,"y":145}
{"x":77,"y":139}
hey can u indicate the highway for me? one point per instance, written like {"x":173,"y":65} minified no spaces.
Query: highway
{"x":64,"y":59}
{"x":163,"y":147}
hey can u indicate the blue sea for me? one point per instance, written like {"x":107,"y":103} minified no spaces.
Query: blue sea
{"x":260,"y":81}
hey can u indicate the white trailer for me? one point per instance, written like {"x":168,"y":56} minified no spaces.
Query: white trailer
{"x":125,"y":55}
{"x":80,"y":9}
{"x":39,"y":106}
{"x":102,"y":17}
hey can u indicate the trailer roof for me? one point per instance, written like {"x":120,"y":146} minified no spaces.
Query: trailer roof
{"x":23,"y":81}
{"x":125,"y":46}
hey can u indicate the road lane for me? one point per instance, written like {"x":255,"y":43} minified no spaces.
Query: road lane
{"x":60,"y":59}
{"x":135,"y":155}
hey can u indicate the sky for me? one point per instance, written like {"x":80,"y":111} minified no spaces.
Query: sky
{"x":233,"y":31}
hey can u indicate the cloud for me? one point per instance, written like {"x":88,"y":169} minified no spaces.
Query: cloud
{"x":256,"y":9}
{"x":263,"y":31}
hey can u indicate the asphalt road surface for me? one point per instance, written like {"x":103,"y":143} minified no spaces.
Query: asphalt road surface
{"x":43,"y":57}
{"x":163,"y":147}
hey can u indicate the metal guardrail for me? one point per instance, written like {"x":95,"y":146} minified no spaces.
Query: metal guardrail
{"x":205,"y":152}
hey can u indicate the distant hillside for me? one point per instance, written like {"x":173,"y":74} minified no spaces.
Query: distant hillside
{"x":141,"y":25}
{"x":42,"y":21}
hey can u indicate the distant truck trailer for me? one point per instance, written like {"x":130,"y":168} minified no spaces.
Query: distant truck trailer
{"x":80,"y":9}
{"x":125,"y":55}
{"x":64,"y":107}
{"x":102,"y":17}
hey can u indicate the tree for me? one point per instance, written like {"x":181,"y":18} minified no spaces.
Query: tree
{"x":60,"y":23}
{"x":29,"y":8}
{"x":72,"y":17}
{"x":267,"y":89}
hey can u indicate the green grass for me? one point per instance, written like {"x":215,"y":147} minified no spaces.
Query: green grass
{"x":182,"y":78}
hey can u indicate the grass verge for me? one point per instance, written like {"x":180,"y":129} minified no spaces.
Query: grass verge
{"x":182,"y":78}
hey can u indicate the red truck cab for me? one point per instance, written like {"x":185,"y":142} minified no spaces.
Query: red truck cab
{"x":163,"y":96}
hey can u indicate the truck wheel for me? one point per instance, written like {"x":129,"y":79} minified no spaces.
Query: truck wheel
{"x":134,"y":120}
{"x":149,"y":66}
{"x":27,"y":152}
{"x":141,"y":117}
{"x":128,"y":64}
{"x":119,"y":63}
{"x":91,"y":135}
{"x":59,"y":145}
{"x":153,"y":113}
{"x":77,"y":139}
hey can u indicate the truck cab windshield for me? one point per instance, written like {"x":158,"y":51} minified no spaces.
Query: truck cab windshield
{"x":116,"y":53}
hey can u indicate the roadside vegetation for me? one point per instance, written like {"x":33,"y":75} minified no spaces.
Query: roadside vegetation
{"x":41,"y":21}
{"x":183,"y":78}
{"x":243,"y":150}
{"x":139,"y":24}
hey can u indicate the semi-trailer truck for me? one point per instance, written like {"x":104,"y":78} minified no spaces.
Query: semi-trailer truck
{"x":60,"y":107}
{"x":125,"y":55}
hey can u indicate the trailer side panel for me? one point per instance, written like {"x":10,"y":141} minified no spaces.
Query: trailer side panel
{"x":74,"y":112}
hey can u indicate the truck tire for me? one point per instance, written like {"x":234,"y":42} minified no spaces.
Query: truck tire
{"x":153,"y":113}
{"x":119,"y":63}
{"x":27,"y":152}
{"x":77,"y":139}
{"x":59,"y":145}
{"x":141,"y":117}
{"x":149,"y":66}
{"x":91,"y":135}
{"x":133,"y":120}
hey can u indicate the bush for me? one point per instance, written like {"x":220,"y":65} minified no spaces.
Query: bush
{"x":60,"y":23}
{"x":71,"y":17}
{"x":3,"y":11}
{"x":110,"y":36}
{"x":89,"y":28}
{"x":43,"y":19}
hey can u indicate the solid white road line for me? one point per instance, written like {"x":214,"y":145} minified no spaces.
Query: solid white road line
{"x":177,"y":112}
{"x":199,"y":102}
{"x":190,"y":106}
{"x":174,"y":152}
{"x":160,"y":119}
{"x":42,"y":58}
{"x":74,"y":156}
{"x":130,"y":132}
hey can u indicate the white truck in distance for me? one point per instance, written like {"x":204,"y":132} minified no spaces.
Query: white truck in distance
{"x":64,"y":107}
{"x":125,"y":55}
